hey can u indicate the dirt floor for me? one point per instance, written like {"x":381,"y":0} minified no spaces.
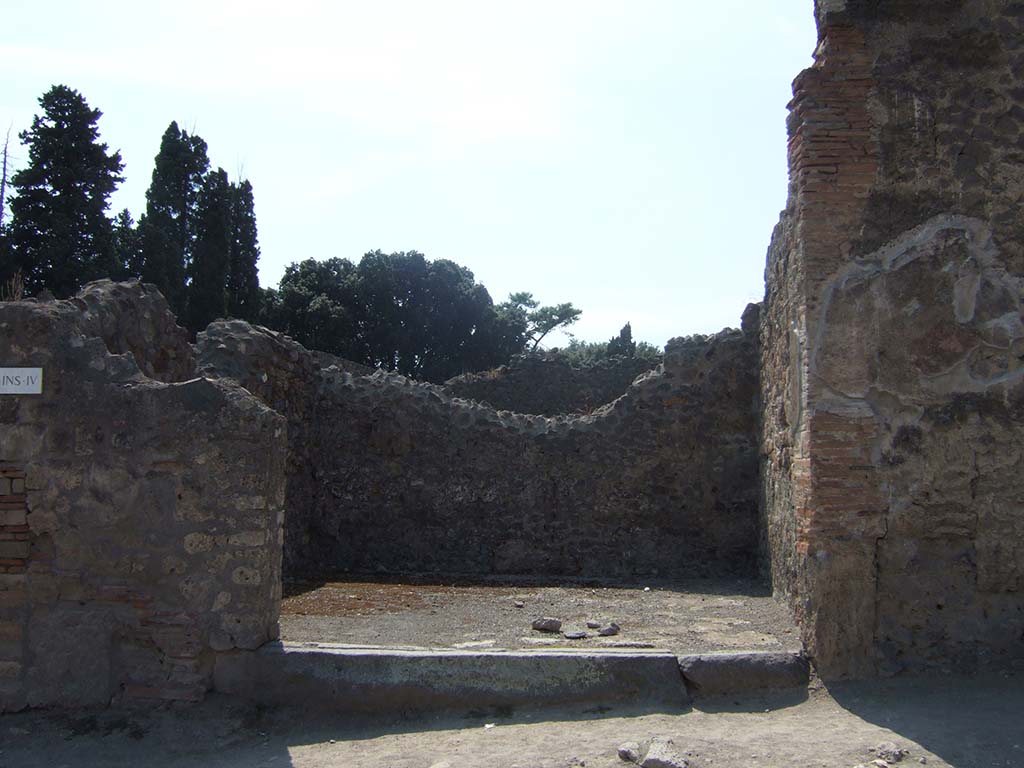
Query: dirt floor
{"x":941,"y":722}
{"x":698,"y":616}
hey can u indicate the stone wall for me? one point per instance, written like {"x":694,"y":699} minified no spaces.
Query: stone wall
{"x":390,"y":476}
{"x":140,"y":519}
{"x":547,"y":385}
{"x":285,"y":376}
{"x":892,"y":340}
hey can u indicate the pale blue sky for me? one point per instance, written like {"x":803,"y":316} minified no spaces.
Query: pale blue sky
{"x":628,"y":156}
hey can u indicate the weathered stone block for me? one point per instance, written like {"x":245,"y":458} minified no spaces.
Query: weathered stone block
{"x":13,"y":517}
{"x":714,"y":674}
{"x":14,"y":550}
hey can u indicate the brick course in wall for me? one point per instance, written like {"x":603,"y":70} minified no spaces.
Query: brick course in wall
{"x":15,"y":534}
{"x":14,"y":547}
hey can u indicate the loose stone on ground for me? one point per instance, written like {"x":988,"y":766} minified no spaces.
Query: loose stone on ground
{"x":547,"y":624}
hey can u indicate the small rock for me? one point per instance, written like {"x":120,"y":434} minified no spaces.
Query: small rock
{"x":488,"y":725}
{"x":593,"y":624}
{"x":576,"y":635}
{"x":647,"y":589}
{"x":518,"y":603}
{"x":923,"y":760}
{"x":611,"y":629}
{"x":890,"y":752}
{"x":662,"y":754}
{"x":630,"y":752}
{"x":547,"y":624}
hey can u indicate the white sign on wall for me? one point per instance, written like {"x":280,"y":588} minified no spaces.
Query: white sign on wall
{"x":21,"y":381}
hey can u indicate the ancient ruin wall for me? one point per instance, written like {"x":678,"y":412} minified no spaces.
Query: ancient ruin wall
{"x":140,"y":520}
{"x":285,"y":376}
{"x":391,"y":476}
{"x":892,"y":339}
{"x":548,"y":385}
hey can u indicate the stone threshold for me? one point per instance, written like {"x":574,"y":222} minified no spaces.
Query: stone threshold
{"x":410,"y":681}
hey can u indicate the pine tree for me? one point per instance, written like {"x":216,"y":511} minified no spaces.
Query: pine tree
{"x":207,"y":295}
{"x":60,"y":235}
{"x":168,"y":231}
{"x":243,"y":286}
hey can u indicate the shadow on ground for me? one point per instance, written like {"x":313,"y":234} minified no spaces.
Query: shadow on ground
{"x":970,"y":722}
{"x":950,"y":722}
{"x":224,"y":732}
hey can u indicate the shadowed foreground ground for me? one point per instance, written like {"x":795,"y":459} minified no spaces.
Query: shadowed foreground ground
{"x":948,"y":721}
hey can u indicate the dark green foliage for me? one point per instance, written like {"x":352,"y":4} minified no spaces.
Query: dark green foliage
{"x":168,"y":230}
{"x":197,"y":240}
{"x":314,"y":304}
{"x":127,"y":246}
{"x":535,"y":322}
{"x":208,"y":271}
{"x":590,"y":352}
{"x":623,"y":344}
{"x":7,"y":265}
{"x":243,"y":285}
{"x":198,"y":237}
{"x":60,"y":236}
{"x":427,"y":319}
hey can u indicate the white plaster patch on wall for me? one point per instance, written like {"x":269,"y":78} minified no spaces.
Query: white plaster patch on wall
{"x":908,"y":247}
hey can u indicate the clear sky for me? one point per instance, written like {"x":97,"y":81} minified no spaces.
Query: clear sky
{"x":628,"y":156}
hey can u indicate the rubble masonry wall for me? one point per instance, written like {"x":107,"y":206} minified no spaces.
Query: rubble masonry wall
{"x":140,"y":509}
{"x":386,"y":475}
{"x":547,"y":385}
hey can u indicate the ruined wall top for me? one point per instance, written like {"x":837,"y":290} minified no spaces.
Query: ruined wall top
{"x":864,"y":12}
{"x":548,"y":384}
{"x":131,"y":318}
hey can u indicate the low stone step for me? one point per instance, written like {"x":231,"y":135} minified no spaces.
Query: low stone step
{"x":400,"y":681}
{"x":714,"y":674}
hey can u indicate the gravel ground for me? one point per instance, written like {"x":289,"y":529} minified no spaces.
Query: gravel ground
{"x":698,"y":616}
{"x":945,"y":722}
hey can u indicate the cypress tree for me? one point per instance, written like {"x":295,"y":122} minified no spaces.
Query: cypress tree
{"x":168,"y":232}
{"x":207,"y":295}
{"x":60,"y":236}
{"x":127,"y":251}
{"x":243,"y":286}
